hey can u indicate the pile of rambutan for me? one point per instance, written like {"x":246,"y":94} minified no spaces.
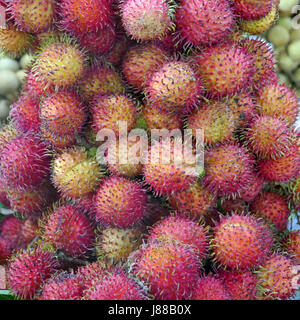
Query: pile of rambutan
{"x":83,"y":229}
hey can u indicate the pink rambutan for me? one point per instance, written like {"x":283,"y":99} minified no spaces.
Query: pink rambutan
{"x":252,"y":9}
{"x":254,"y":186}
{"x":5,"y":250}
{"x":11,"y":228}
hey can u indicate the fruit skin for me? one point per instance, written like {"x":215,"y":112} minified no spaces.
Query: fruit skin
{"x":145,"y":20}
{"x":116,"y":54}
{"x":24,"y":162}
{"x":180,"y":230}
{"x":7,"y":133}
{"x":252,"y":9}
{"x":228,"y":169}
{"x":11,"y":228}
{"x":275,"y":277}
{"x":92,"y":273}
{"x":210,"y":288}
{"x":75,"y":174}
{"x":292,"y":244}
{"x":33,"y":16}
{"x":241,"y":241}
{"x":140,"y":62}
{"x":273,"y":207}
{"x":196,"y":200}
{"x":28,"y":270}
{"x":225,"y":69}
{"x":5,"y":250}
{"x":240,"y":285}
{"x":80,"y":17}
{"x":117,"y":286}
{"x":174,"y":85}
{"x":120,"y":202}
{"x":63,"y":113}
{"x":170,"y":270}
{"x":254,"y":187}
{"x":68,"y":229}
{"x":207,"y":26}
{"x":279,"y":101}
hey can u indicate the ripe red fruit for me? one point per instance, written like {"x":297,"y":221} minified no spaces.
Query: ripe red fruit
{"x":5,"y":250}
{"x":11,"y":228}
{"x":92,"y":273}
{"x":292,"y":244}
{"x":35,"y":87}
{"x":252,"y":9}
{"x":253,"y":188}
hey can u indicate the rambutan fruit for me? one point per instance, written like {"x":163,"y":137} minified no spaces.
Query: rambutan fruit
{"x":240,"y":285}
{"x":11,"y":228}
{"x":254,"y":187}
{"x":28,"y":270}
{"x":215,"y":119}
{"x":29,"y":231}
{"x":62,"y":286}
{"x":228,"y":169}
{"x":171,"y":270}
{"x":14,"y":42}
{"x":33,"y":16}
{"x":120,"y":202}
{"x":5,"y":250}
{"x":116,"y":286}
{"x":3,"y":194}
{"x":92,"y":273}
{"x":166,"y":171}
{"x":252,"y":9}
{"x":80,"y":17}
{"x":275,"y":277}
{"x":68,"y":229}
{"x":279,"y":101}
{"x":269,"y":137}
{"x":116,"y":54}
{"x":295,"y":192}
{"x":204,"y":22}
{"x":225,"y":69}
{"x":181,"y":230}
{"x":63,"y":113}
{"x":100,"y":79}
{"x":263,"y":24}
{"x":116,"y":244}
{"x":53,"y":66}
{"x":24,"y":162}
{"x":175,"y":85}
{"x":210,"y":288}
{"x":241,"y":241}
{"x":140,"y":62}
{"x":233,"y":205}
{"x":109,"y":111}
{"x":292,"y":244}
{"x":25,"y":114}
{"x":272,"y":207}
{"x":7,"y":133}
{"x":127,"y":161}
{"x":75,"y":174}
{"x":196,"y":200}
{"x":146,"y":20}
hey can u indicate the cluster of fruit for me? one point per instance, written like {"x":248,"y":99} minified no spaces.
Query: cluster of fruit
{"x":150,"y":230}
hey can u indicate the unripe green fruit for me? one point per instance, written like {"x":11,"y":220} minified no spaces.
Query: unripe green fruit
{"x":282,"y":78}
{"x":286,"y":63}
{"x":294,"y":50}
{"x":4,"y":109}
{"x":279,"y":36}
{"x":296,"y":76}
{"x":285,"y":22}
{"x":26,"y":61}
{"x":9,"y":64}
{"x":8,"y":82}
{"x":21,"y":74}
{"x":287,"y":5}
{"x":295,"y":34}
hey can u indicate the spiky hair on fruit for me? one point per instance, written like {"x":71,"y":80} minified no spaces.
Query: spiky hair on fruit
{"x":11,"y":228}
{"x":67,"y":228}
{"x":279,"y":101}
{"x":33,"y":16}
{"x":210,"y":288}
{"x":76,"y":174}
{"x":115,"y":286}
{"x":196,"y":200}
{"x":80,"y":17}
{"x":29,"y":231}
{"x":273,"y":207}
{"x":204,"y":22}
{"x":228,"y":169}
{"x":215,"y":119}
{"x":5,"y":250}
{"x":116,"y":244}
{"x":174,"y":85}
{"x":100,"y":79}
{"x":254,"y":187}
{"x":179,"y":229}
{"x":28,"y":270}
{"x":92,"y":273}
{"x":232,"y":205}
{"x":52,"y":64}
{"x":24,"y":114}
{"x":166,"y":170}
{"x":252,"y":9}
{"x":294,"y":188}
{"x":7,"y":133}
{"x":170,"y":270}
{"x":263,"y":24}
{"x":141,"y":61}
{"x":109,"y":111}
{"x":269,"y":137}
{"x":14,"y":42}
{"x":3,"y":194}
{"x":25,"y":161}
{"x":225,"y":69}
{"x":120,"y":202}
{"x":62,"y":286}
{"x":63,"y":113}
{"x":146,"y":20}
{"x":291,"y":243}
{"x":241,"y":241}
{"x":241,"y":285}
{"x":275,"y":278}
{"x":116,"y":54}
